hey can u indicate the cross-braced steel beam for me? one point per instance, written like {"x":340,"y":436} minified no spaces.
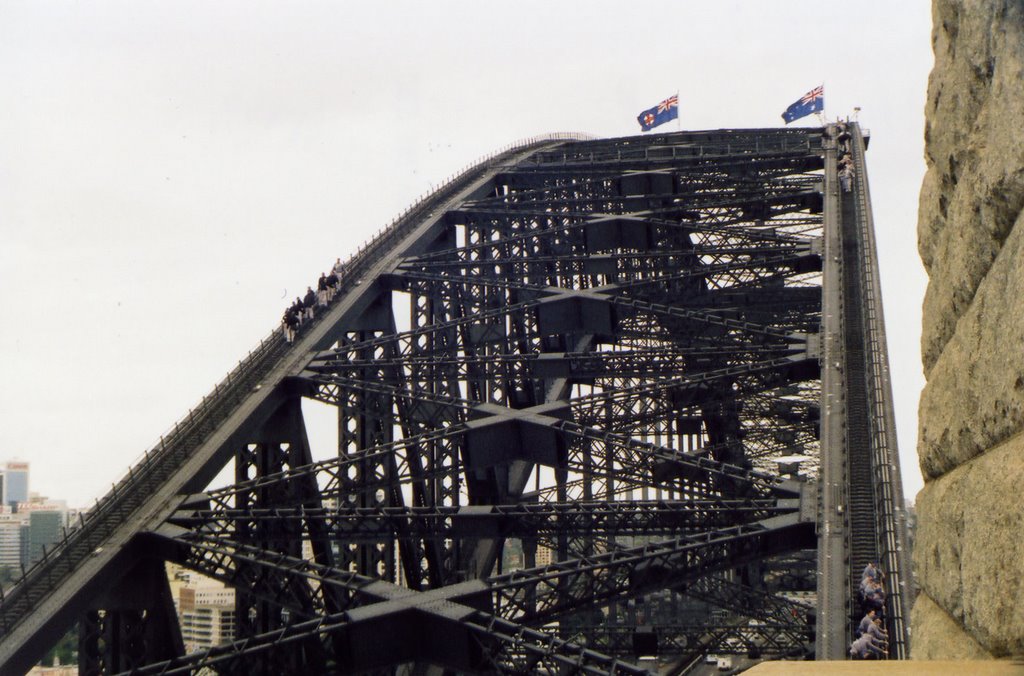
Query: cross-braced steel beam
{"x":576,"y":382}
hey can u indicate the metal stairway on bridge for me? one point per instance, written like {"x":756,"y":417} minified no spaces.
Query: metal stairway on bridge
{"x":609,"y":346}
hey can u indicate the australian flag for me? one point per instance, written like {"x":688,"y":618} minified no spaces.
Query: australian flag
{"x":659,"y":114}
{"x":811,"y":102}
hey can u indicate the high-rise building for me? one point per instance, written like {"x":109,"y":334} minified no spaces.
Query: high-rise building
{"x":207,"y":615}
{"x":10,"y":539}
{"x":15,"y":482}
{"x":43,"y":531}
{"x":545,"y":556}
{"x":25,"y":542}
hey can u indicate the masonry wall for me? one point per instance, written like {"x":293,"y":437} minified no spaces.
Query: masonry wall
{"x":969,"y":552}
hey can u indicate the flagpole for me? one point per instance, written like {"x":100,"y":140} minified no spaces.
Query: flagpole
{"x":824,"y":102}
{"x":679,"y":121}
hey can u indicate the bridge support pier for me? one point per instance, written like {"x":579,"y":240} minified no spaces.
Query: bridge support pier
{"x":131,"y":625}
{"x":281,"y":444}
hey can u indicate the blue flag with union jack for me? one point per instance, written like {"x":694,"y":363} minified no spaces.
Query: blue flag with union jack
{"x":659,"y":114}
{"x":811,"y":102}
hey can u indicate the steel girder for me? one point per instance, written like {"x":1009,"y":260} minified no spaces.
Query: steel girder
{"x":598,"y":352}
{"x":608,"y":518}
{"x":772,"y":641}
{"x":510,"y":603}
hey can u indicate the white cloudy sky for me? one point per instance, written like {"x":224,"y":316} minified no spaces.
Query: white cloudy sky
{"x":170,"y":172}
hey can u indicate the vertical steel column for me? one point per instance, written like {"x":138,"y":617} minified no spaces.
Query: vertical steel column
{"x":366,"y":420}
{"x":833,"y":589}
{"x":279,"y":445}
{"x":443,"y":456}
{"x":132,"y":625}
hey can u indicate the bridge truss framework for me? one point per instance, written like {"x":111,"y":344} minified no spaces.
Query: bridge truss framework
{"x":572,"y":386}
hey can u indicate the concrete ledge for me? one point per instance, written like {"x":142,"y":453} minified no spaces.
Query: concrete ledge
{"x":894,"y":668}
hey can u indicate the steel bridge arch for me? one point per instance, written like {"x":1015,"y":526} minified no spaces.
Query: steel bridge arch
{"x":614,"y":349}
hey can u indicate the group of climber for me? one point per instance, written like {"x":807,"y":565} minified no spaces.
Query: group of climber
{"x":305,"y":307}
{"x":846,"y":172}
{"x":872,"y":642}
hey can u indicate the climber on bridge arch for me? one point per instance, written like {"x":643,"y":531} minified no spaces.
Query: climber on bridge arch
{"x":844,"y":137}
{"x":873,"y":572}
{"x":290,"y":322}
{"x":309,"y":303}
{"x":332,"y":285}
{"x":321,"y":290}
{"x":846,"y":178}
{"x":876,"y":631}
{"x":868,"y":647}
{"x":866,"y":622}
{"x":873,"y":595}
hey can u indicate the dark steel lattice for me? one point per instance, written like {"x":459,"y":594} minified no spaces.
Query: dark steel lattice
{"x":564,"y":385}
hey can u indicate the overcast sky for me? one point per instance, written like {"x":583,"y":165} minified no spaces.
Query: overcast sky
{"x":172,"y":172}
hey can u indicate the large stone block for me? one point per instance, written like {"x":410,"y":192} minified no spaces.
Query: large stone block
{"x":974,"y":398}
{"x":969,"y":549}
{"x":937,"y":636}
{"x":938,"y":542}
{"x":974,"y":148}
